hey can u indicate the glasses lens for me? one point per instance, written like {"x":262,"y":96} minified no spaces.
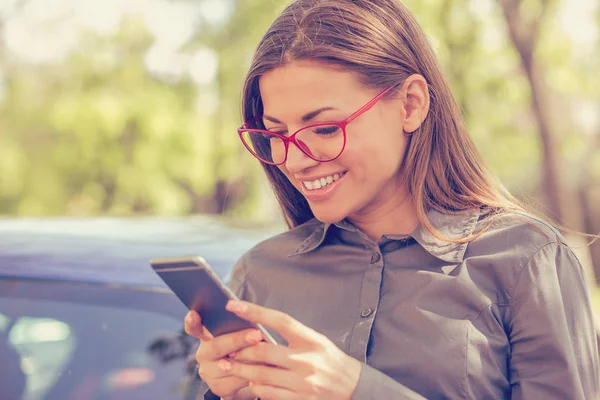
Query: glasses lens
{"x":321,"y":142}
{"x":266,"y":147}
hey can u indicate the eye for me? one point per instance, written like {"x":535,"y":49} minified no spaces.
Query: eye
{"x":326,"y":130}
{"x":267,"y":136}
{"x":279,"y":131}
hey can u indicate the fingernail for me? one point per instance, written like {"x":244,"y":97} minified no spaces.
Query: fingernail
{"x":254,"y":337}
{"x":191,"y":318}
{"x":224,"y":365}
{"x":236,"y":306}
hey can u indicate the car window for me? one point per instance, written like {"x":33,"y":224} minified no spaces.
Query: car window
{"x":67,"y":350}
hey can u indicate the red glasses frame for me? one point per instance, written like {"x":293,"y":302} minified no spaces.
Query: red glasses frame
{"x":292,"y":138}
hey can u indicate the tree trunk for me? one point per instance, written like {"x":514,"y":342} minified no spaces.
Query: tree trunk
{"x":524,"y":35}
{"x":592,"y":225}
{"x":588,"y":198}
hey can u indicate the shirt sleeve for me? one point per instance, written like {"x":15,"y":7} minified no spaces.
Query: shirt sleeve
{"x":375,"y":385}
{"x":237,"y":279}
{"x":554,"y":350}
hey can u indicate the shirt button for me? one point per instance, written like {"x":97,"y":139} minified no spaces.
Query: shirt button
{"x":375,"y":258}
{"x":366,"y":312}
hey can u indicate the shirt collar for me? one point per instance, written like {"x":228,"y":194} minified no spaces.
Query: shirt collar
{"x":453,"y":226}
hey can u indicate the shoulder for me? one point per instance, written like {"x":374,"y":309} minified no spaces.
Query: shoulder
{"x":281,"y":246}
{"x":515,"y":235}
{"x":266,"y":265}
{"x":512,"y":243}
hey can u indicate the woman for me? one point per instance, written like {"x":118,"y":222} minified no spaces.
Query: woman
{"x":408,"y":271}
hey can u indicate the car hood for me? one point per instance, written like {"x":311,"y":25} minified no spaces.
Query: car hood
{"x":117,"y":250}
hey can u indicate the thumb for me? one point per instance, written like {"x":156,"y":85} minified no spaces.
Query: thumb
{"x":193,"y":326}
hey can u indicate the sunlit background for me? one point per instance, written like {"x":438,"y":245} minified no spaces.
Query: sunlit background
{"x":129,"y":107}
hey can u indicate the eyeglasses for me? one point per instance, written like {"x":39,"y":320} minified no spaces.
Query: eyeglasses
{"x":323,"y":142}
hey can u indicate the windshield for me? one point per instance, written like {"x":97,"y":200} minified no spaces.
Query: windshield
{"x":68,"y":350}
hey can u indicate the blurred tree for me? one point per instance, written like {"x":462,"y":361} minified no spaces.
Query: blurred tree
{"x":589,"y":165}
{"x":100,"y":135}
{"x":99,"y":132}
{"x":523,"y":19}
{"x":239,"y":175}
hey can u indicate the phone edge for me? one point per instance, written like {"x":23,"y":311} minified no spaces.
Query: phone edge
{"x":201,"y":263}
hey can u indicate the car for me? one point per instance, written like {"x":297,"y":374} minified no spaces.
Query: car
{"x":83,"y":315}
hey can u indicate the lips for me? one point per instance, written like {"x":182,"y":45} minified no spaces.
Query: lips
{"x":323,"y":192}
{"x":322,"y":182}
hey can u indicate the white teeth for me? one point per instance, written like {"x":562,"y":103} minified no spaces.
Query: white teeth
{"x":321,"y":182}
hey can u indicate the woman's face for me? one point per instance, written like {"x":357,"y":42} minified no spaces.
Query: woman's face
{"x":365,"y":177}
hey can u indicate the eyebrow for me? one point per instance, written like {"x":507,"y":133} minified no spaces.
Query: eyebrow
{"x":305,"y":118}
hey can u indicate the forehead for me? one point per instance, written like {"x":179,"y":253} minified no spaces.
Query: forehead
{"x":295,"y":86}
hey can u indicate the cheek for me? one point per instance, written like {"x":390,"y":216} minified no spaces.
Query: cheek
{"x":377,"y":153}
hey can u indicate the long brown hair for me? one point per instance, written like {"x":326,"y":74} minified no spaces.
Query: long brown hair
{"x":380,"y":41}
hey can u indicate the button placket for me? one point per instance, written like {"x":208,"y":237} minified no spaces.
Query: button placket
{"x":369,"y":299}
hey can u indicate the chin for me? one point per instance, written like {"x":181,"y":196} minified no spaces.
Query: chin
{"x":328,"y":214}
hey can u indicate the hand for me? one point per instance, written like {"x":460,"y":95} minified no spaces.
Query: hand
{"x":213,"y":351}
{"x":312,"y":367}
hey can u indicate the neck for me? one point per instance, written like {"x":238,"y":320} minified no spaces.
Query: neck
{"x":395,"y":216}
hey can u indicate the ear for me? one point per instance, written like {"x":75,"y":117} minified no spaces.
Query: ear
{"x":415,"y":102}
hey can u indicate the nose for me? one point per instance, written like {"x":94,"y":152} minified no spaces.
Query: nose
{"x":297,"y":161}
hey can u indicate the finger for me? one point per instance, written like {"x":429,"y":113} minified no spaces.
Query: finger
{"x":245,"y":392}
{"x":265,"y":392}
{"x":193,"y":326}
{"x":223,"y":345}
{"x":262,"y":374}
{"x":210,"y":371}
{"x":292,"y":330}
{"x":266,"y":353}
{"x":228,"y":386}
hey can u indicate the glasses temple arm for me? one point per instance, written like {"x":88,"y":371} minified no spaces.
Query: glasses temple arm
{"x":369,"y":105}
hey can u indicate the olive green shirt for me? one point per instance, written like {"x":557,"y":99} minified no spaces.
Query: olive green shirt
{"x":507,"y":315}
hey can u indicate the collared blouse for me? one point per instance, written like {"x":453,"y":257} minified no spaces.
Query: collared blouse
{"x":505,"y":316}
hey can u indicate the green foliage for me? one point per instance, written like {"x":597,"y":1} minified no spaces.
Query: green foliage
{"x":98,"y":134}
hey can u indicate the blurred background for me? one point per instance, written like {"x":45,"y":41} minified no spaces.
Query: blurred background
{"x":129,"y":107}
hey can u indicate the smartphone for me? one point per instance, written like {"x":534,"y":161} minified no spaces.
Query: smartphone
{"x":201,"y":289}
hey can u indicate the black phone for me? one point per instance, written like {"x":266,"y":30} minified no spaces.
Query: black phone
{"x":201,"y":289}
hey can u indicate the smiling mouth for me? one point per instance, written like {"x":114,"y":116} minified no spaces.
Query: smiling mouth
{"x":321,"y":183}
